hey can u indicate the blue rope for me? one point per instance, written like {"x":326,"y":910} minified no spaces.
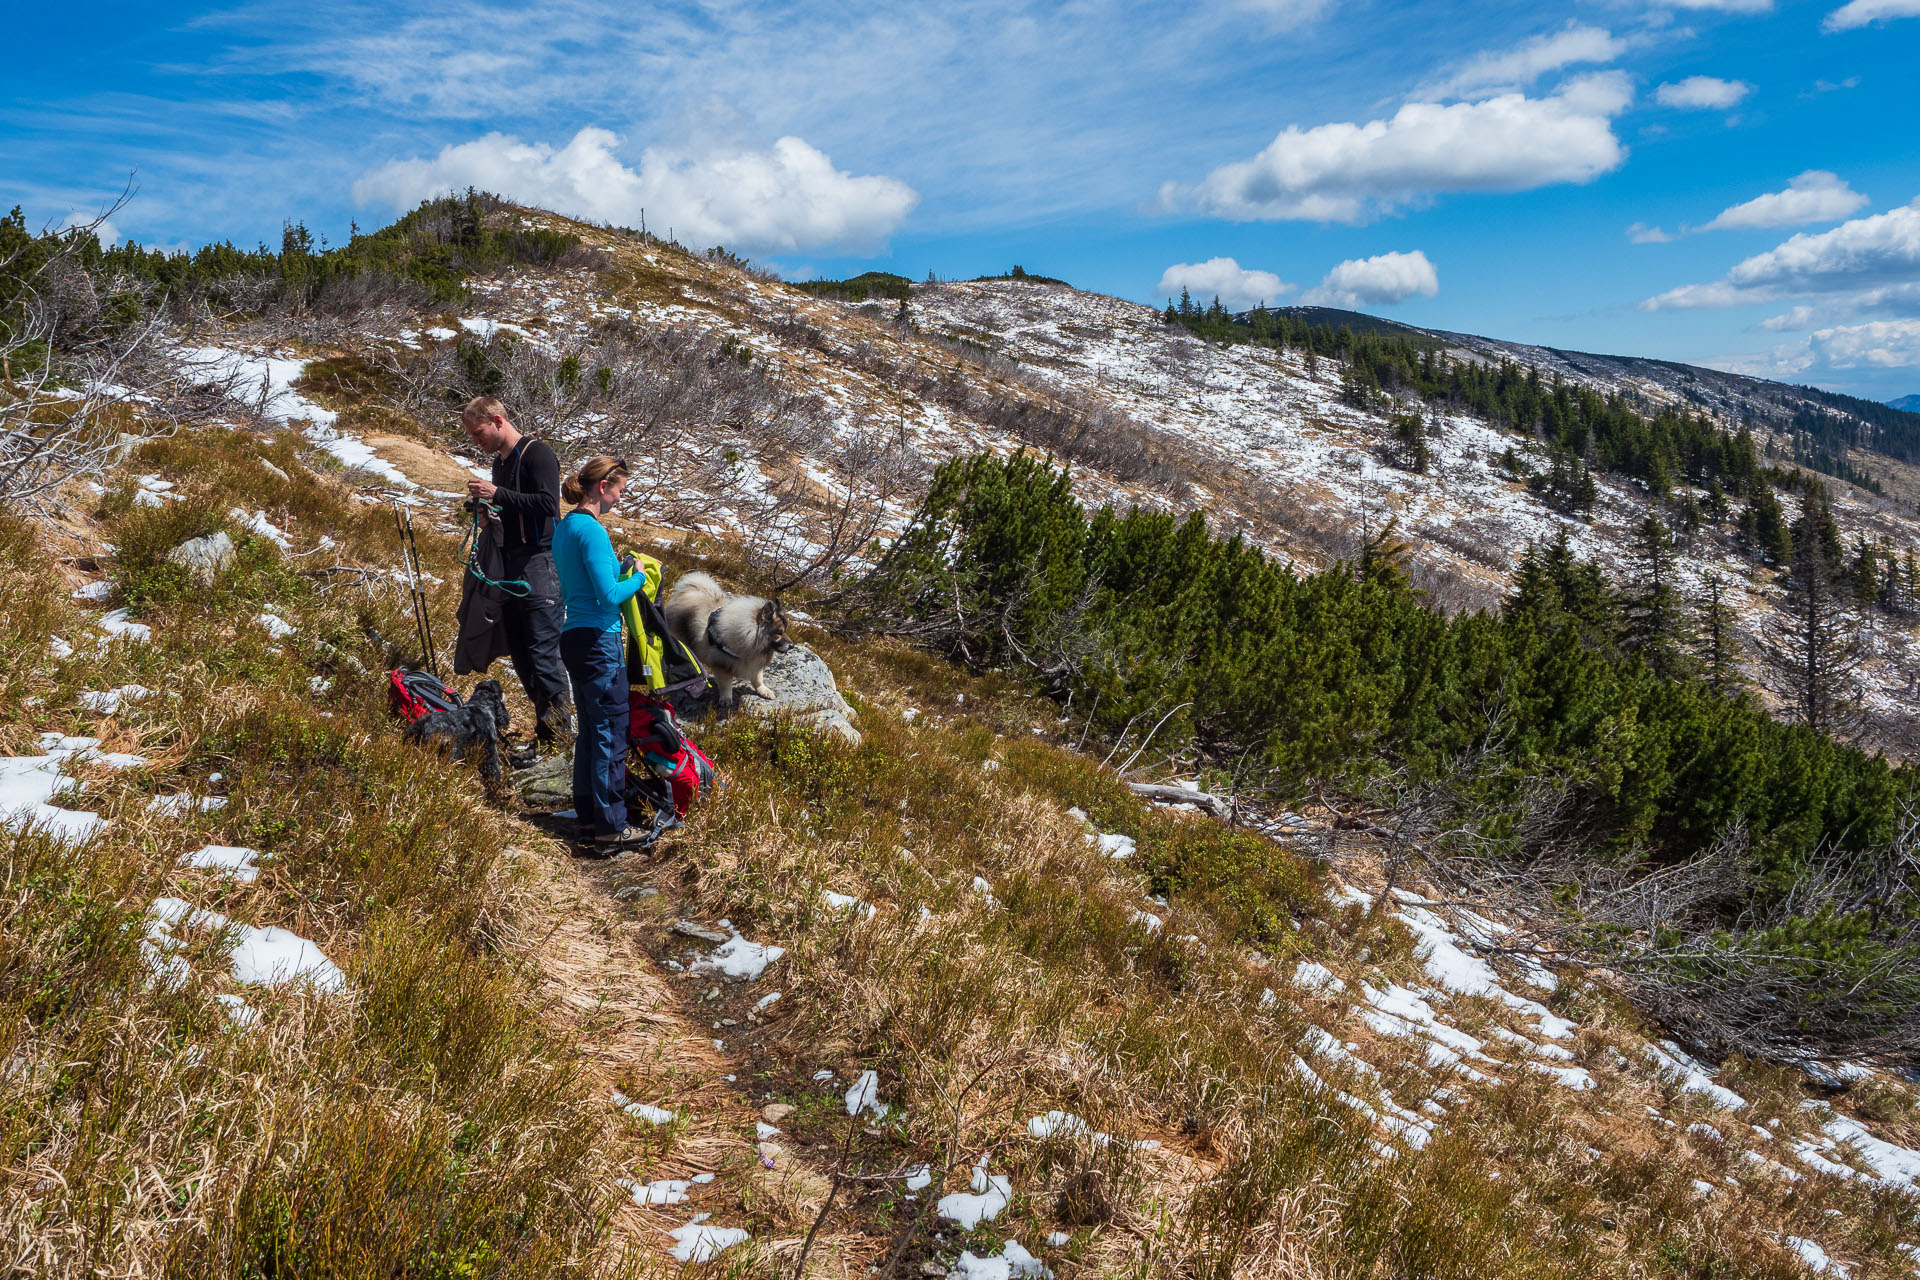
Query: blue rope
{"x":518,"y":588}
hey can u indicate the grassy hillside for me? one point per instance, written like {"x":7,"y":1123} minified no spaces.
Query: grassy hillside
{"x":1126,"y":1041}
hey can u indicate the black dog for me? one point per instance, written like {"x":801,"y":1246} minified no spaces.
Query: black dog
{"x":479,"y":723}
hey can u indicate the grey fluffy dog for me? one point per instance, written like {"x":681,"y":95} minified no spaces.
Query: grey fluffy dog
{"x":735,"y":637}
{"x":478,"y":723}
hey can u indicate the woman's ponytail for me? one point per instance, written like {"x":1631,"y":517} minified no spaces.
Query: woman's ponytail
{"x":577,"y":486}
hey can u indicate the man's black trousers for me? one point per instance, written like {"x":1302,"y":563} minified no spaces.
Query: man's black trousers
{"x":532,"y":625}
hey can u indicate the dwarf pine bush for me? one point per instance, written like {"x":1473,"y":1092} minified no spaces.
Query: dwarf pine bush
{"x":1146,"y":621}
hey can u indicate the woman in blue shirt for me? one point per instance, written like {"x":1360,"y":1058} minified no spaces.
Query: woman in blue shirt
{"x":592,"y":590}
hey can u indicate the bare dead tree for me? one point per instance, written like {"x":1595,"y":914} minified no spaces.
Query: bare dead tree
{"x":71,"y":397}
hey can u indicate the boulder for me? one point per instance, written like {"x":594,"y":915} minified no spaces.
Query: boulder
{"x":548,"y":784}
{"x":204,"y":557}
{"x":804,"y":688}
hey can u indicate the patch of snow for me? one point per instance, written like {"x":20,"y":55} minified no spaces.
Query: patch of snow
{"x":28,"y":783}
{"x":94,"y":591}
{"x":663,"y":1191}
{"x":234,"y":860}
{"x":1817,"y":1259}
{"x":1145,"y":919}
{"x":116,"y":625}
{"x":847,"y":902}
{"x":988,"y":1196}
{"x":1315,"y":976}
{"x":1014,"y":1263}
{"x":762,"y":1131}
{"x":738,"y":959}
{"x":697,"y":1242}
{"x":180,"y":804}
{"x":1113,"y":845}
{"x":1061,"y":1122}
{"x":1672,"y":1063}
{"x":865,"y":1096}
{"x":918,"y":1178}
{"x":257,"y":523}
{"x":240,"y":1014}
{"x":267,"y":957}
{"x":109,"y":702}
{"x":276,"y":626}
{"x":642,"y":1110}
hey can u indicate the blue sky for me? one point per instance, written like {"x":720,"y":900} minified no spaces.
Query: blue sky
{"x":1729,"y":182}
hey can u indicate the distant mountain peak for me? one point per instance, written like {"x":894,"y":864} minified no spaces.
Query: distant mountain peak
{"x":1907,"y":404}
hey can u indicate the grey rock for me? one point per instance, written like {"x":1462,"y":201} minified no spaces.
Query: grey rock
{"x":804,"y":688}
{"x":689,"y":929}
{"x":548,"y":784}
{"x":204,"y":557}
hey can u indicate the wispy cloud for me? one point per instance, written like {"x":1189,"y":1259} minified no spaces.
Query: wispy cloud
{"x":1509,"y":70}
{"x":1641,"y":233}
{"x":1702,"y":93}
{"x":1859,"y":13}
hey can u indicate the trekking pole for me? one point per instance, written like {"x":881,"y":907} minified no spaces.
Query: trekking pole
{"x":410,"y":557}
{"x":420,"y":598}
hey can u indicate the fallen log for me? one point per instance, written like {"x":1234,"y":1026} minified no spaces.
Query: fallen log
{"x":1163,"y":794}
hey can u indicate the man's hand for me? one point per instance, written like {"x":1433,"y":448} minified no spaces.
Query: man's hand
{"x":482,"y":489}
{"x":630,"y":565}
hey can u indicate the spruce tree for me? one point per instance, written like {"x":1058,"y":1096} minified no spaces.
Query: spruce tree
{"x":1657,"y":626}
{"x":1809,"y":644}
{"x":1716,"y":644}
{"x":1409,"y":449}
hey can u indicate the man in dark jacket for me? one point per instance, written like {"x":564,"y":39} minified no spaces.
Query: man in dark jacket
{"x":526,"y":489}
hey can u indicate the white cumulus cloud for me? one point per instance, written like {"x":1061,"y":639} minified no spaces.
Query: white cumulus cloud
{"x":1702,"y":93}
{"x":1512,"y":69}
{"x":1236,"y":286}
{"x":1858,"y":13}
{"x":1869,"y":262}
{"x":1641,"y":233}
{"x":1877,"y":344}
{"x":1348,"y":172}
{"x":1815,"y":196}
{"x":1377,"y":281}
{"x":788,"y":197}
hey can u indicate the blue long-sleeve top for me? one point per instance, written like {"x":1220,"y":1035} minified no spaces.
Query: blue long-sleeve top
{"x":589,"y":573}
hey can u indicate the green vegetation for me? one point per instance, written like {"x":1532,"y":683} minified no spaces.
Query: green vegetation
{"x":1025,"y":276}
{"x":427,"y":253}
{"x":1295,"y":681}
{"x":868,"y":284}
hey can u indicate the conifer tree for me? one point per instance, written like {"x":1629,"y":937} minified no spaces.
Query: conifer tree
{"x":1764,"y":526}
{"x":1717,"y":646}
{"x":1809,"y":644}
{"x":1384,"y":557}
{"x":1657,"y":626}
{"x":1409,"y":448}
{"x":1186,"y":301}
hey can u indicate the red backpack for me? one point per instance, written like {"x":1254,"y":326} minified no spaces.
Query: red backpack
{"x":664,"y":767}
{"x":413,"y":694}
